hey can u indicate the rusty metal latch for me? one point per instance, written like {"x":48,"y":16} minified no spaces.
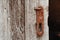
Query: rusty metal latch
{"x":39,"y":21}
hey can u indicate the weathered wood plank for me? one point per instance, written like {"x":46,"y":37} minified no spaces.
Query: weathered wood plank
{"x":30,"y":19}
{"x":17,"y":19}
{"x":4,"y":11}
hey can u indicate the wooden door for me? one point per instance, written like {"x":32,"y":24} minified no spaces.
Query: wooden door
{"x":18,"y":18}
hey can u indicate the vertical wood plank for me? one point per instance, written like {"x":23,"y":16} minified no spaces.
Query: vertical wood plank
{"x":4,"y":15}
{"x":30,"y":19}
{"x":17,"y":19}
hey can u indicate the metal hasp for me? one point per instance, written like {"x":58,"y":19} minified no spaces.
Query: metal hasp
{"x":39,"y":21}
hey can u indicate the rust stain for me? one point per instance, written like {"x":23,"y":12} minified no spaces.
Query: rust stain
{"x":39,"y":21}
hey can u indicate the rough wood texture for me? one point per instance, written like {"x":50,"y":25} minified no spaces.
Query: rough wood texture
{"x":17,"y":19}
{"x":12,"y":19}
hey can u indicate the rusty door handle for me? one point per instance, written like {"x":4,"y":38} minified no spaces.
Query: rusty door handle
{"x":39,"y":21}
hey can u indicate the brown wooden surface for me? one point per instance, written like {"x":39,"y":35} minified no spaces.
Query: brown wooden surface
{"x":17,"y":19}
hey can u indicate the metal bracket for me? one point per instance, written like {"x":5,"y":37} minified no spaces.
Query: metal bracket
{"x":39,"y":21}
